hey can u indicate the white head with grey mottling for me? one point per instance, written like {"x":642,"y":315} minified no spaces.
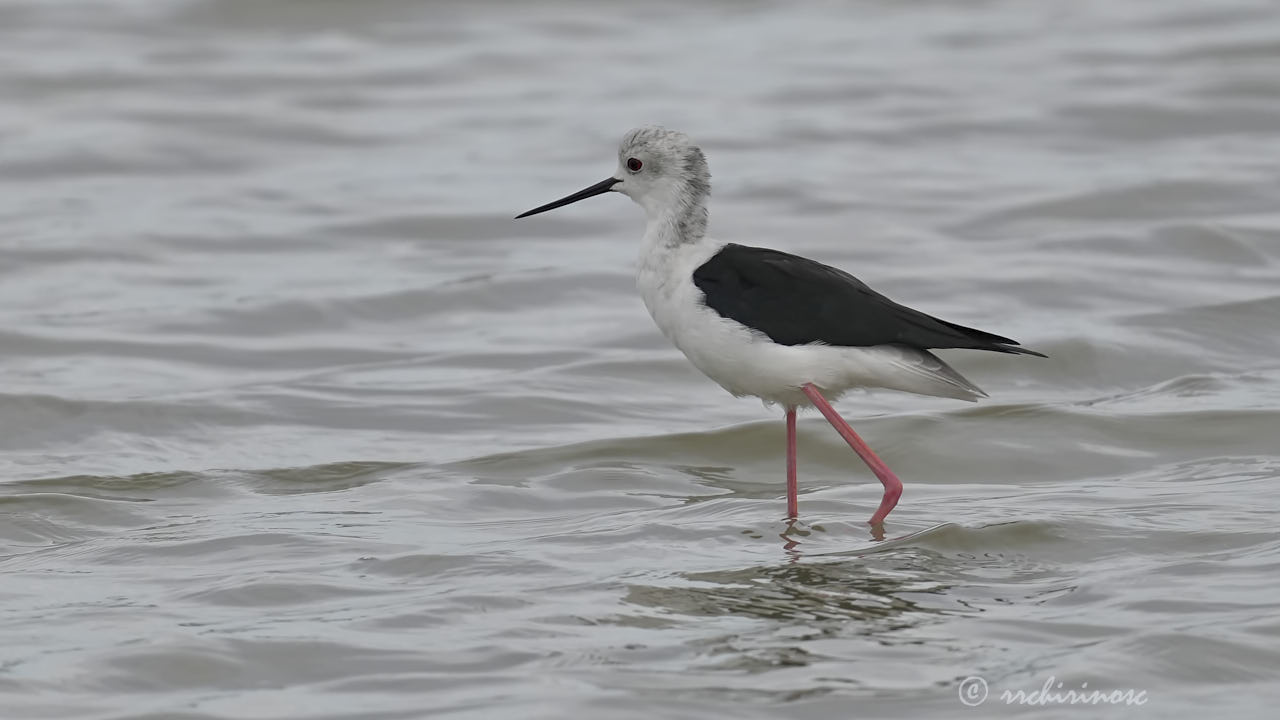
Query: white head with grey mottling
{"x":664,"y":172}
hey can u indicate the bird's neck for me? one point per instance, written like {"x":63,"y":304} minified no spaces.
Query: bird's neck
{"x":681,"y":220}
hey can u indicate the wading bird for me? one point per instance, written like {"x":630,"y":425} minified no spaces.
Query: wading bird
{"x":783,"y":328}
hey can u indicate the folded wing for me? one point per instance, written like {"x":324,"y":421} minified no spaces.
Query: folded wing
{"x":797,"y":301}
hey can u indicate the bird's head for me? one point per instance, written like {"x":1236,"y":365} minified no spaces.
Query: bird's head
{"x":658,"y":168}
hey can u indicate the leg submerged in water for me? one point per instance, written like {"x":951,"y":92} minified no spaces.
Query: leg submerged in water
{"x":892,"y":485}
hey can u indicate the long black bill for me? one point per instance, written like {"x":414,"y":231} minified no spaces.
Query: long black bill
{"x":603,"y":186}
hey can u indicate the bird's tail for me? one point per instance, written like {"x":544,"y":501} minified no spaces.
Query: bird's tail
{"x":927,"y":374}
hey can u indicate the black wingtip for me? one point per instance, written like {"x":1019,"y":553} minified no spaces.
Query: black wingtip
{"x":1015,"y":350}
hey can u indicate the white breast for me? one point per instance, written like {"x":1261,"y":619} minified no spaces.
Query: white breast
{"x":740,"y":360}
{"x":665,"y":279}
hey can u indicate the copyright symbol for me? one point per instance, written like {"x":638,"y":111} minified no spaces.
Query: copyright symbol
{"x":973,"y":691}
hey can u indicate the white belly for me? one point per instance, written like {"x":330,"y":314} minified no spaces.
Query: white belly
{"x":746,"y":362}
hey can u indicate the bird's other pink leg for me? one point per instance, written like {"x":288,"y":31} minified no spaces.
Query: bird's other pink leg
{"x":793,"y":493}
{"x":892,"y":485}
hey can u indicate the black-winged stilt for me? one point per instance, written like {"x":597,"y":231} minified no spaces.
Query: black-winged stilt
{"x":760,"y":322}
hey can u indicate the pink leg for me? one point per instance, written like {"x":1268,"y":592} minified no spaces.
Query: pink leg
{"x":793,"y":499}
{"x":892,"y":485}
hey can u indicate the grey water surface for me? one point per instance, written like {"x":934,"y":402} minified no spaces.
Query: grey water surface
{"x":296,"y":422}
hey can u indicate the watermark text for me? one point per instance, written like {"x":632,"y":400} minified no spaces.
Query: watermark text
{"x":974,"y":691}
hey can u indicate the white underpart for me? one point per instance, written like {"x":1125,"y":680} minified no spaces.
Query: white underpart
{"x":747,"y":362}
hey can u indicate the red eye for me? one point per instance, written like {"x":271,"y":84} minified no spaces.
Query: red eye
{"x":634,"y":165}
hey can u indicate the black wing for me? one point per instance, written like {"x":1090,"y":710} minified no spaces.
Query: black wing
{"x":796,"y":301}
